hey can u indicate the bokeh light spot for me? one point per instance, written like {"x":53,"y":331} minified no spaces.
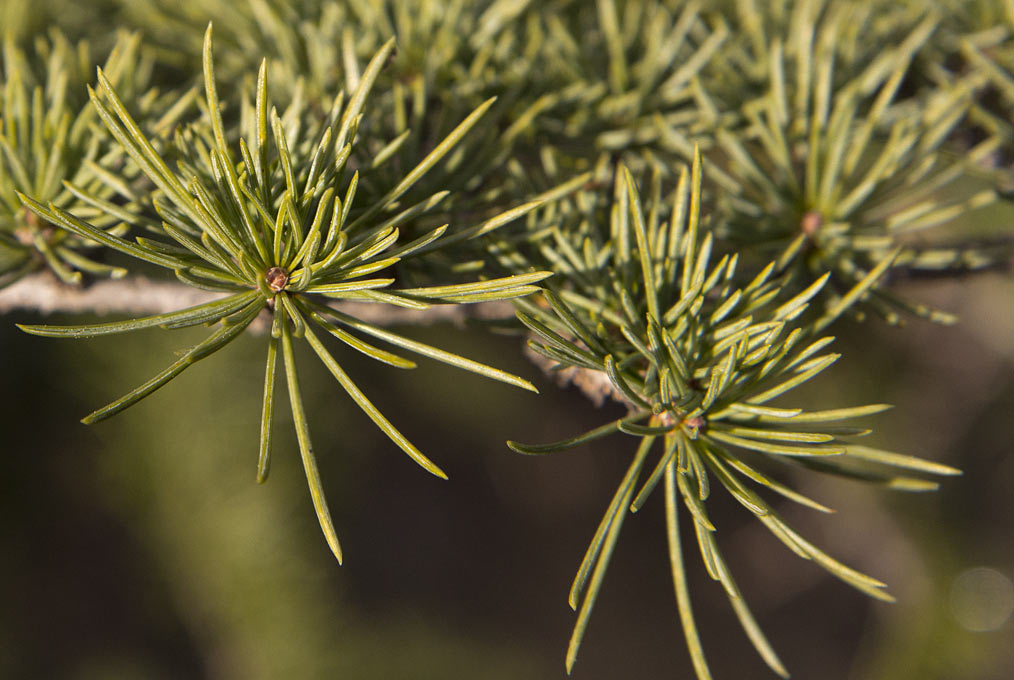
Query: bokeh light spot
{"x":982,"y":599}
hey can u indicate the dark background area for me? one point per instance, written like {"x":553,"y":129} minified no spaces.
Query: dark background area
{"x":142,"y":547}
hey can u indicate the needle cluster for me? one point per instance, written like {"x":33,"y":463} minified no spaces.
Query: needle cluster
{"x":680,"y":198}
{"x":698,"y":354}
{"x":275,"y":223}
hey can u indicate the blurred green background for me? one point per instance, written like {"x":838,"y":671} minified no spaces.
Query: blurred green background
{"x":142,"y":547}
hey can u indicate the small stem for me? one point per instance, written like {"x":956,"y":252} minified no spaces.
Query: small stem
{"x":138,"y":296}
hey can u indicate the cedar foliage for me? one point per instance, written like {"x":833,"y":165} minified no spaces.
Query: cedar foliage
{"x":679,"y":201}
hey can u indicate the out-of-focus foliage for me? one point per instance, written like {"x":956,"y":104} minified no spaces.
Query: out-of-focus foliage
{"x":54,"y":149}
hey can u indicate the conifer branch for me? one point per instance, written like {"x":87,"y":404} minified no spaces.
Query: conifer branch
{"x":136,"y":295}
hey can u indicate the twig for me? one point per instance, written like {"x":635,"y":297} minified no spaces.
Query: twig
{"x":595,"y":385}
{"x":45,"y":294}
{"x":138,"y":296}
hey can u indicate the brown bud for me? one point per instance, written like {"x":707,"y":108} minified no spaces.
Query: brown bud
{"x":693,"y":425}
{"x":695,"y":422}
{"x":277,"y":278}
{"x":664,"y":418}
{"x":811,"y":222}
